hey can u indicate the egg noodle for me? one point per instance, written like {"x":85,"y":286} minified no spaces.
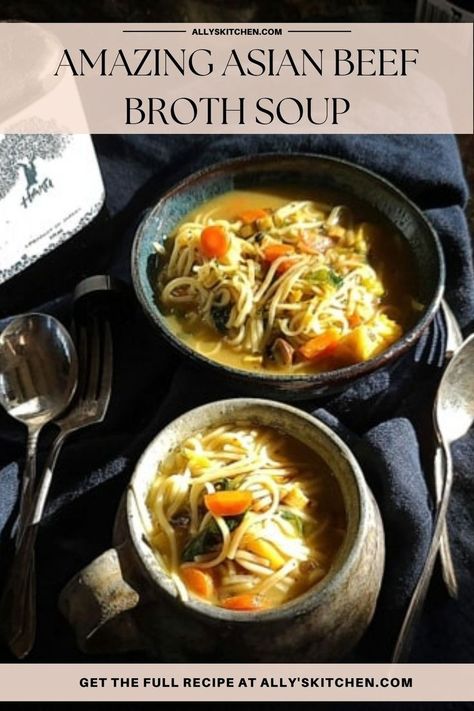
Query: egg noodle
{"x":291,"y":287}
{"x":245,"y":517}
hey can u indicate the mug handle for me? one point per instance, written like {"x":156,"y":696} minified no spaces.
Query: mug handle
{"x":99,"y":604}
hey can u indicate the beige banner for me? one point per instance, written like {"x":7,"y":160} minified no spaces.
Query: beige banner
{"x":250,"y":78}
{"x":236,"y":682}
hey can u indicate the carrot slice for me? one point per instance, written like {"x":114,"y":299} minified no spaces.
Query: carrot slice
{"x":249,"y":216}
{"x":215,"y":241}
{"x":284,"y":266}
{"x":228,"y":503}
{"x":246,"y":601}
{"x":354,"y":320}
{"x":199,"y":582}
{"x":321,"y":345}
{"x":274,"y":251}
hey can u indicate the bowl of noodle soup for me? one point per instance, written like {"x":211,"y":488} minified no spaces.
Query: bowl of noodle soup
{"x":292,"y":274}
{"x":255,"y":521}
{"x":247,"y":532}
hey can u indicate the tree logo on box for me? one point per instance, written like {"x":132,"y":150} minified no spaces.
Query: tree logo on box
{"x":30,"y":173}
{"x":19,"y":154}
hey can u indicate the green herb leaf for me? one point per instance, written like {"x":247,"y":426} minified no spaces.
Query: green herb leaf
{"x":207,"y":539}
{"x":220,"y":316}
{"x":233,"y":521}
{"x":325,"y":276}
{"x":223,"y":485}
{"x":335,"y":279}
{"x":295,"y":520}
{"x":200,"y":544}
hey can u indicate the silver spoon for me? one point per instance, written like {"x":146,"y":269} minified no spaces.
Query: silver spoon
{"x":38,"y":377}
{"x":453,"y":416}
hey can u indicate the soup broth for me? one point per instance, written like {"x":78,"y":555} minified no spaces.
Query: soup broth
{"x":246,"y":518}
{"x":266,"y":281}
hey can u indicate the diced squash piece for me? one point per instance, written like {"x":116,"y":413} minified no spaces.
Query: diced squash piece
{"x":265,"y":223}
{"x":295,"y":296}
{"x":359,"y":345}
{"x":265,"y":550}
{"x":196,"y":462}
{"x":373,"y":285}
{"x":295,"y":497}
{"x":367,"y":340}
{"x":159,"y":540}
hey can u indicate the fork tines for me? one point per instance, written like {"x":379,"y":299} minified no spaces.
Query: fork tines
{"x":93,"y":338}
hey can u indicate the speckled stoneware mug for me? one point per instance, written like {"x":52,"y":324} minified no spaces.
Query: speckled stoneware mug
{"x":125,"y":601}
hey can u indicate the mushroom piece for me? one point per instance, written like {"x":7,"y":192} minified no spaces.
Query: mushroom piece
{"x":282,"y":352}
{"x":181,"y":520}
{"x":247,"y":231}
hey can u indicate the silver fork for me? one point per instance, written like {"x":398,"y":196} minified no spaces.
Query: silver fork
{"x":436,"y":352}
{"x":95,"y":354}
{"x":453,"y":341}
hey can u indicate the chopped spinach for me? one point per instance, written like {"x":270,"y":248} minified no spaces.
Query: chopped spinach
{"x":223,"y":485}
{"x":335,"y":279}
{"x":326,"y":276}
{"x":220,"y":316}
{"x":202,"y":543}
{"x":207,"y":539}
{"x":295,"y":520}
{"x":233,"y":521}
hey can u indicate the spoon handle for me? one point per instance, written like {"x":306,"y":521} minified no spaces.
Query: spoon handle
{"x":447,"y":565}
{"x":28,"y":483}
{"x":415,"y":607}
{"x":18,"y":606}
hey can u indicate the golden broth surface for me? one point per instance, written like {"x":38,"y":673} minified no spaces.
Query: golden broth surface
{"x":245,"y":517}
{"x":389,"y":255}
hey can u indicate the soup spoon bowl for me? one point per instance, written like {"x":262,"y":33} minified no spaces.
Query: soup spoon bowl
{"x":453,"y":417}
{"x":38,"y":378}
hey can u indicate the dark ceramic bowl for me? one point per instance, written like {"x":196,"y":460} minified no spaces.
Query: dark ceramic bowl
{"x":308,"y":171}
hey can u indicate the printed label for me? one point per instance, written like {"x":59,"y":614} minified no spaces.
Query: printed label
{"x":50,"y":188}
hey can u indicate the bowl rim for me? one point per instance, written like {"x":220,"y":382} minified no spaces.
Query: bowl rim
{"x":316,"y":594}
{"x":331,"y":377}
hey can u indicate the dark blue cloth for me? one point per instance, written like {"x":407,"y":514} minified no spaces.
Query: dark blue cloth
{"x":385,"y":418}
